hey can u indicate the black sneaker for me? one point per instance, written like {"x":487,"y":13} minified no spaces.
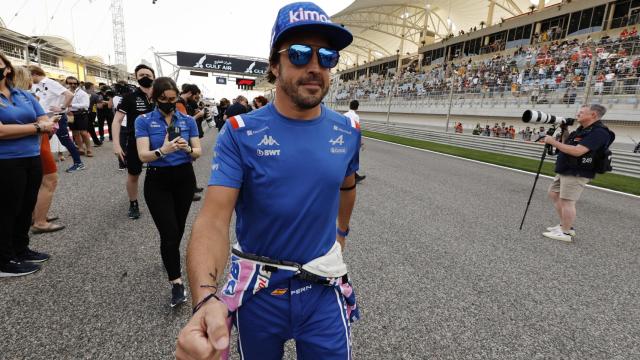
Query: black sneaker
{"x":196,"y":197}
{"x":359,"y":178}
{"x":30,"y":256}
{"x":134,"y":211}
{"x":178,"y":295}
{"x":15,"y":268}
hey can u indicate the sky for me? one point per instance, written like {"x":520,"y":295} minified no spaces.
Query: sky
{"x":239,"y":27}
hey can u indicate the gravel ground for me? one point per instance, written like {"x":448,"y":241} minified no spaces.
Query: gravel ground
{"x":439,"y":266}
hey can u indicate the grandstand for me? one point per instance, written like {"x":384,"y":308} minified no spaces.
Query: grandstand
{"x":540,"y":58}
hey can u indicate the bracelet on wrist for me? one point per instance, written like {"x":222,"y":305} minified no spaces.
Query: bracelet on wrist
{"x":38,"y":128}
{"x":203,"y":301}
{"x":342,"y":233}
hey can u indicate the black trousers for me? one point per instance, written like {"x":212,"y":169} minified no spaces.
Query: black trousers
{"x":19,"y":184}
{"x":92,"y":129}
{"x":168,"y":192}
{"x":105,"y":116}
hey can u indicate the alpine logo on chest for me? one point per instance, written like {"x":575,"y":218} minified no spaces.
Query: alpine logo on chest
{"x":337,"y":145}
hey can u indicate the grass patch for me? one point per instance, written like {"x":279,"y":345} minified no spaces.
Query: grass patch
{"x":611,"y":181}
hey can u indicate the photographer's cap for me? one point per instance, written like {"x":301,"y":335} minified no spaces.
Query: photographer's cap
{"x":309,"y":16}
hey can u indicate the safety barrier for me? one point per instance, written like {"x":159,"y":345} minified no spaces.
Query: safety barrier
{"x":624,"y":163}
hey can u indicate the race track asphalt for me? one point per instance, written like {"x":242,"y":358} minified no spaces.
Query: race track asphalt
{"x":440,"y":269}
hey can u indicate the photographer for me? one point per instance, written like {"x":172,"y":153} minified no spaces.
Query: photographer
{"x":168,"y":142}
{"x":188,"y":105}
{"x":575,"y":167}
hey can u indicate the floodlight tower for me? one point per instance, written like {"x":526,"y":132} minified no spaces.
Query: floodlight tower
{"x":119,"y":42}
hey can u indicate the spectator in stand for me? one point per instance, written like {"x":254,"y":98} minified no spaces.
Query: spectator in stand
{"x":477,"y":130}
{"x":458,"y":128}
{"x":527,"y":133}
{"x":599,"y":87}
{"x":487,"y":131}
{"x":541,"y":134}
{"x":496,"y":130}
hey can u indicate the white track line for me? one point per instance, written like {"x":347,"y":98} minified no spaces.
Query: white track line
{"x":500,"y":166}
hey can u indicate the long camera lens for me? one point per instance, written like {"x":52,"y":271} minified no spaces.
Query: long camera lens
{"x":539,"y":116}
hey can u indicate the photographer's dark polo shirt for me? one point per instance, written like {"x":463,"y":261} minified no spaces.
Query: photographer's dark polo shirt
{"x":594,"y":138}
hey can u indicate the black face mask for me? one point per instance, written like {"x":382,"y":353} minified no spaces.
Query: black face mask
{"x":2,"y":72}
{"x":145,"y":82}
{"x":166,"y":108}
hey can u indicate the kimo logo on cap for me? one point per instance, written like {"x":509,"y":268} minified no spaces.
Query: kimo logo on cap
{"x":305,"y":15}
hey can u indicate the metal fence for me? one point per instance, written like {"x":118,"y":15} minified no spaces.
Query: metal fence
{"x":624,"y":162}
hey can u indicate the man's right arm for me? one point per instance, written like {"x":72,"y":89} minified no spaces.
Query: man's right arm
{"x":115,"y":133}
{"x":206,"y":333}
{"x":208,"y":248}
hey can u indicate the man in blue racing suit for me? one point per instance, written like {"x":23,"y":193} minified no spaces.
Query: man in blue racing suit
{"x":288,"y":171}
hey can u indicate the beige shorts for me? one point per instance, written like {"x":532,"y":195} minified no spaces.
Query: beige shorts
{"x":569,"y":187}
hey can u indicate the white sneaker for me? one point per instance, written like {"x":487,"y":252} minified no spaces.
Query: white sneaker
{"x":557,"y":235}
{"x":572,"y":232}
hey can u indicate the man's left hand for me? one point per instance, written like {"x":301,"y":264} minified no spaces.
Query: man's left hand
{"x":550,"y":140}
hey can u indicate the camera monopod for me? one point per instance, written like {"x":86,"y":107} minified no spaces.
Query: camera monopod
{"x":547,"y":149}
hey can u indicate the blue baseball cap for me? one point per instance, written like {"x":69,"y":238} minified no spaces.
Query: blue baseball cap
{"x":309,"y":16}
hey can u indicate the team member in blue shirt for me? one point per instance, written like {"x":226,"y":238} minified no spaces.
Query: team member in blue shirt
{"x":170,"y":181}
{"x":22,"y":119}
{"x":288,"y":170}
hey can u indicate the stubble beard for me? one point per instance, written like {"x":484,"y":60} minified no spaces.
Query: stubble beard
{"x":293,"y":91}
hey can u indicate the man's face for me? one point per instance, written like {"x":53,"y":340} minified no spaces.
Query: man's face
{"x":72,"y":84}
{"x":144,"y":73}
{"x":305,"y":85}
{"x":585,"y":115}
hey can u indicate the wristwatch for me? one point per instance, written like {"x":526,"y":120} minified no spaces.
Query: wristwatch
{"x":38,"y":128}
{"x":158,"y":153}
